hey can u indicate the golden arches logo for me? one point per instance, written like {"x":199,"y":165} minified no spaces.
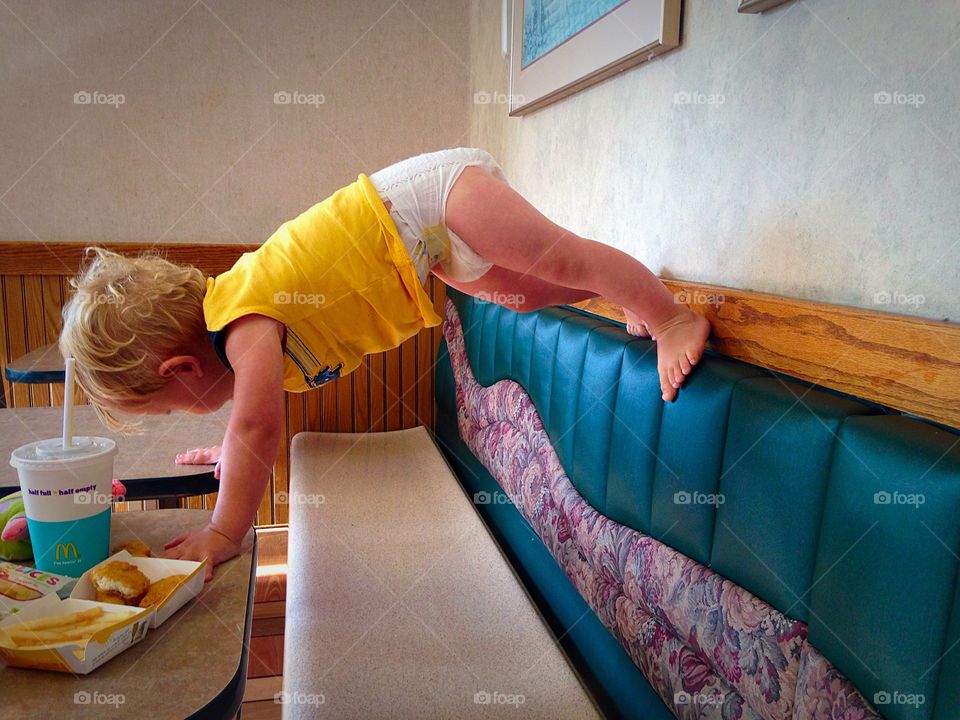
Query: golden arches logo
{"x":65,"y":550}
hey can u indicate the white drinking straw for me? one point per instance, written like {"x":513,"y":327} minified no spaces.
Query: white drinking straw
{"x":68,"y":403}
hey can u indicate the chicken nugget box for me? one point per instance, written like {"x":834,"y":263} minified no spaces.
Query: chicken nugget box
{"x":177,"y":594}
{"x":70,"y":635}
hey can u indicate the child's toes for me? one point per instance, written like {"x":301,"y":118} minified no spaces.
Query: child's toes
{"x":685,"y":365}
{"x":666,"y":386}
{"x":693,"y":356}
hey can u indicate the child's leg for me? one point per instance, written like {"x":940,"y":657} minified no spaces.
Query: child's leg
{"x":523,"y":293}
{"x":500,"y":225}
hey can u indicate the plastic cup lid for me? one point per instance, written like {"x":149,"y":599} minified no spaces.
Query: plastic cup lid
{"x":52,"y":450}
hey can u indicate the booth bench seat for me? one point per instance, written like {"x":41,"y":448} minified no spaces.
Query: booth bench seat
{"x":760,"y":548}
{"x":399,"y":603}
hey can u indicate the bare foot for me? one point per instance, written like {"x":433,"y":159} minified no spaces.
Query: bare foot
{"x":199,"y":456}
{"x":636,"y":326}
{"x":680,"y":343}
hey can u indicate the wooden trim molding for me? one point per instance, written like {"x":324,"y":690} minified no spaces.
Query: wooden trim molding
{"x":905,"y":363}
{"x":63,"y":258}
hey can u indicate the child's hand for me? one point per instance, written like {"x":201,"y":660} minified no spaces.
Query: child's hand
{"x":204,"y":543}
{"x":199,"y":456}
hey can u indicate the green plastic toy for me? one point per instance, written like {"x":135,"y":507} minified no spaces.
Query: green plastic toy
{"x":14,"y":537}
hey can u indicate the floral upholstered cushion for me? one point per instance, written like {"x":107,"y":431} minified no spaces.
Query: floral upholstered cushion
{"x":708,"y":647}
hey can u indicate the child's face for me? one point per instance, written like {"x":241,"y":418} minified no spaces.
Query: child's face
{"x":187,"y":390}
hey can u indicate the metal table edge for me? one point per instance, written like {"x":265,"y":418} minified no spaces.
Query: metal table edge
{"x":227,"y":702}
{"x":157,"y":488}
{"x":33,"y":377}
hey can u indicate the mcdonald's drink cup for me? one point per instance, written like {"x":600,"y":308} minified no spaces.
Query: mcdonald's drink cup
{"x":67,"y":500}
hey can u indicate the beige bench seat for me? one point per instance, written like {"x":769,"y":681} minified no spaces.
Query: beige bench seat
{"x":399,"y":602}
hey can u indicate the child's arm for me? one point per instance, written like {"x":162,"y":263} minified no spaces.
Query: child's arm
{"x":251,"y":442}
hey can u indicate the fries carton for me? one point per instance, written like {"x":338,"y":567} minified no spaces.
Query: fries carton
{"x":49,"y":634}
{"x":155,"y":569}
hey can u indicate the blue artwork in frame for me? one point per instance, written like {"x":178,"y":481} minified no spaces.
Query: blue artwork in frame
{"x":548,"y":23}
{"x":559,"y":47}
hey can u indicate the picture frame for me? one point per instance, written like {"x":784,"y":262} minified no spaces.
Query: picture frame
{"x":561,"y":47}
{"x":758,"y":6}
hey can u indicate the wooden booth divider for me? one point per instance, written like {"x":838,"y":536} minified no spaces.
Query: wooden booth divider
{"x":391,"y":391}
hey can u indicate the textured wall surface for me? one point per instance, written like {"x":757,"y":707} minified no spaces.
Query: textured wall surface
{"x":758,"y":155}
{"x":199,"y":151}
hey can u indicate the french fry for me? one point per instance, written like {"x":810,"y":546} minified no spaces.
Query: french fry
{"x":57,"y":621}
{"x":60,"y":635}
{"x":57,"y":637}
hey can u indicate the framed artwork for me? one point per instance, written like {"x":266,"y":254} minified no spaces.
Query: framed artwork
{"x":561,"y":46}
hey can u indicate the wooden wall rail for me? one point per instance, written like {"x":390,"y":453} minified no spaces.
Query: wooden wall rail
{"x":30,"y":257}
{"x":390,"y":391}
{"x":902,"y":362}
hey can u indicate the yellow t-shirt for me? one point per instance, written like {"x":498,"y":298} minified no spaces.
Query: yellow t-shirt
{"x":338,"y":277}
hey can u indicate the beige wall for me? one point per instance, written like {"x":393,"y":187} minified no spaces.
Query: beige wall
{"x":199,"y":151}
{"x":798,"y":183}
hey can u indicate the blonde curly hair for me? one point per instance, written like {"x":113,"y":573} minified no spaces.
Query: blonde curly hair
{"x":128,"y":315}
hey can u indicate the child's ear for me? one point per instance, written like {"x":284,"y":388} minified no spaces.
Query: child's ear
{"x":180,"y":364}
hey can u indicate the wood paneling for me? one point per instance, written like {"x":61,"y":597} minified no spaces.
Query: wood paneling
{"x":17,"y":319}
{"x":266,"y":656}
{"x":63,"y":258}
{"x":34,"y":284}
{"x":905,"y":363}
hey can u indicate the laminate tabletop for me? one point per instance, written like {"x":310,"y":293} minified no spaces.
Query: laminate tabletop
{"x":192,"y":666}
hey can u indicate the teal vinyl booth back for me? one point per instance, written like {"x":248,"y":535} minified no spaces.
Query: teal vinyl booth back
{"x":835,"y":512}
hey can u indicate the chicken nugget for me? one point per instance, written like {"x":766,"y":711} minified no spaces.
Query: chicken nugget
{"x":137,"y":548}
{"x":110,"y":597}
{"x":120,"y":578}
{"x":159,"y":590}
